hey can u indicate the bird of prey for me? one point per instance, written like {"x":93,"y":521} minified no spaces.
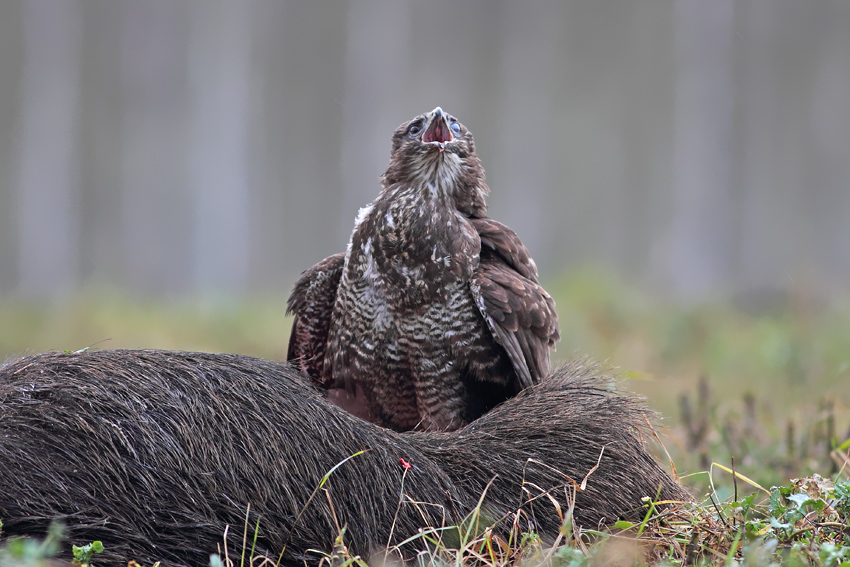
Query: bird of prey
{"x":434,"y":314}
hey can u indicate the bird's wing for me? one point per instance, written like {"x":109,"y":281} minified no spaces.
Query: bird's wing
{"x":518,"y":311}
{"x":505,"y":243}
{"x":311,"y":302}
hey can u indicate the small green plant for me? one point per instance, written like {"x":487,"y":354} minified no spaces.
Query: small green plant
{"x":805,"y":523}
{"x":84,"y":553}
{"x":28,"y":552}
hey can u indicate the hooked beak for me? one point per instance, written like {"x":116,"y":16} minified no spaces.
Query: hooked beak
{"x":437,"y":132}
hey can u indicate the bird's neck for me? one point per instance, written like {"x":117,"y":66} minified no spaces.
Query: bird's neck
{"x":442,"y":176}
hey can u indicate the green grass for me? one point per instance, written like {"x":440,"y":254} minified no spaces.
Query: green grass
{"x":761,"y":386}
{"x":768,"y":387}
{"x":109,"y":319}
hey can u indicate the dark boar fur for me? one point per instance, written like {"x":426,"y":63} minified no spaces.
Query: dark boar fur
{"x":155,"y":452}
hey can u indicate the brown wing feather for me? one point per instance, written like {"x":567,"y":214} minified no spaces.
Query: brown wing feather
{"x":311,"y":301}
{"x":504,"y":242}
{"x":519,"y":312}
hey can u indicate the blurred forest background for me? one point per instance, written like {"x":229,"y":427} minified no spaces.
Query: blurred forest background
{"x":175,"y":147}
{"x":680,"y":170}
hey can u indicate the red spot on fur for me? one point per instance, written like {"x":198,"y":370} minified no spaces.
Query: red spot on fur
{"x":404,"y":463}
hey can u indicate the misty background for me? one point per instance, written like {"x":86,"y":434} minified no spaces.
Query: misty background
{"x":169,"y":148}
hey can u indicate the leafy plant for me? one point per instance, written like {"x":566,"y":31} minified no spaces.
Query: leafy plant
{"x":84,"y":553}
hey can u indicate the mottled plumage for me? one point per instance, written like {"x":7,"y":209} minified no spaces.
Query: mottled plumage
{"x":434,"y":314}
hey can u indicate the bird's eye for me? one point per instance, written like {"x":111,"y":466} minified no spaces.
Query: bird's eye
{"x":414,"y":129}
{"x":455,"y":127}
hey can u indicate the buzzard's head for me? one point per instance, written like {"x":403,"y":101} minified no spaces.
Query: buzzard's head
{"x":434,"y":148}
{"x":432,"y":133}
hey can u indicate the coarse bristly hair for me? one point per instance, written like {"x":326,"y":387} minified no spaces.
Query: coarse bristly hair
{"x":155,"y":452}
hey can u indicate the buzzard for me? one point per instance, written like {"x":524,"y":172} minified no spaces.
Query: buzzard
{"x":434,"y":314}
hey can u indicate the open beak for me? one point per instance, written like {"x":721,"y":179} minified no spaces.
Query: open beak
{"x":437,"y":132}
